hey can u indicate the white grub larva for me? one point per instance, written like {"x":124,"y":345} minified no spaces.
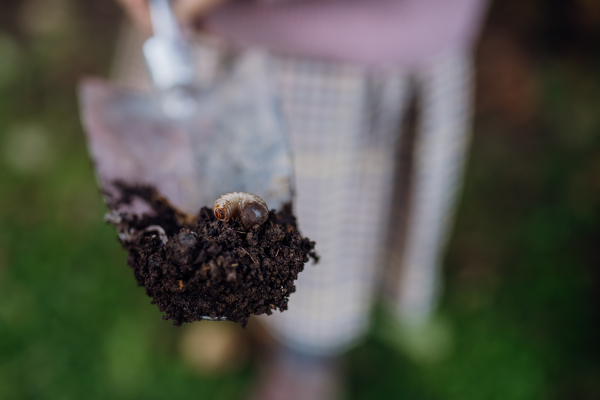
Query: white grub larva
{"x":251,"y":208}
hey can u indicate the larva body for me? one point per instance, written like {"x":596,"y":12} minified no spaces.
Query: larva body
{"x":251,"y":208}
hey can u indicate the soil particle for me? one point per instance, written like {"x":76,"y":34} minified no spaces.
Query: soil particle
{"x":201,"y":267}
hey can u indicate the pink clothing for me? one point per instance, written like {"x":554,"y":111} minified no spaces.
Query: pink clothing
{"x":375,"y":32}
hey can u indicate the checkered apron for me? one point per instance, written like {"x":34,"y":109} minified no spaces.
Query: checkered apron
{"x":344,"y":125}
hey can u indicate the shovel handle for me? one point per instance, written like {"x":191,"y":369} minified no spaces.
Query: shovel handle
{"x":163,"y":20}
{"x":169,"y":60}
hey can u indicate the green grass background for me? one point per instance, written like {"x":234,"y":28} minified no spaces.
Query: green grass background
{"x":522,"y":289}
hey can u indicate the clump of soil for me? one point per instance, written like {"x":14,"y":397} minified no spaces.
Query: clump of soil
{"x":194,"y":268}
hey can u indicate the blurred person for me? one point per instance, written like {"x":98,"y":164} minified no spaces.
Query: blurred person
{"x":345,"y":72}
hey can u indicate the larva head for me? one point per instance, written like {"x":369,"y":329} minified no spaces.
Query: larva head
{"x":254,"y":213}
{"x":219,"y":211}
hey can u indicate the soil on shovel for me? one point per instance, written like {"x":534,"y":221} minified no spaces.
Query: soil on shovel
{"x":199,"y":267}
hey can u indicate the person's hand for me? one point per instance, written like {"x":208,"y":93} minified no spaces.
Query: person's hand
{"x":185,"y":11}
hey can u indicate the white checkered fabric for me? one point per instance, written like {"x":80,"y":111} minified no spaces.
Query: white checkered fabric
{"x":441,"y":147}
{"x":344,"y":124}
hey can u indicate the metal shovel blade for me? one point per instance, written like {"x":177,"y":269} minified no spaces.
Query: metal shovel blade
{"x":235,"y":140}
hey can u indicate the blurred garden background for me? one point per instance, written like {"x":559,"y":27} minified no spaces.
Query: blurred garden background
{"x":522,"y":273}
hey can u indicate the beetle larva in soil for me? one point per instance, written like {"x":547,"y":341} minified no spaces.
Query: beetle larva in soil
{"x":251,"y":208}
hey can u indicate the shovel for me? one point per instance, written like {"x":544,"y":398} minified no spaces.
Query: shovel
{"x":192,"y":142}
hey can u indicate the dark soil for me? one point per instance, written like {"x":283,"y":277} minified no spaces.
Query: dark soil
{"x":201,"y":267}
